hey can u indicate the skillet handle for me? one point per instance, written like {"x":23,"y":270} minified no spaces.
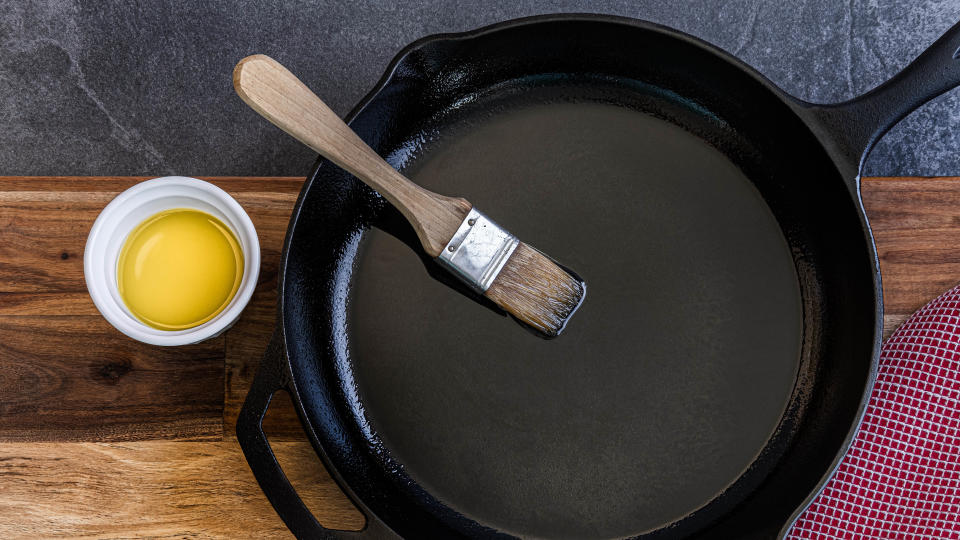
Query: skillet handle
{"x":271,"y":377}
{"x":856,"y":125}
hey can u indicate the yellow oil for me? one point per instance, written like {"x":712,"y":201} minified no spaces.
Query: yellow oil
{"x":179,"y":269}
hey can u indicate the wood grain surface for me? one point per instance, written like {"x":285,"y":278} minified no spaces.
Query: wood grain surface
{"x":155,"y":489}
{"x":104,"y":437}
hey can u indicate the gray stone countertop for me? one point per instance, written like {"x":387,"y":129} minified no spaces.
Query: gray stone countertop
{"x":144,"y":88}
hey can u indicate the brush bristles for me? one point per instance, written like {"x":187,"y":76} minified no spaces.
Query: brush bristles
{"x":536,"y":291}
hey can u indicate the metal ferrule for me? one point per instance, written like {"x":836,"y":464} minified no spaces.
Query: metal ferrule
{"x":478,"y":251}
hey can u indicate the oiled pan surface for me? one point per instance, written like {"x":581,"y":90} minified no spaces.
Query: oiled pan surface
{"x":668,"y":382}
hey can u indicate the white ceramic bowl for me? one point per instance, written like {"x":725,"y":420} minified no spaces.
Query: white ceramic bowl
{"x":128,"y":210}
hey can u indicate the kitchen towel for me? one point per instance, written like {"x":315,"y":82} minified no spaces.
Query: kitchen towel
{"x":901,"y":476}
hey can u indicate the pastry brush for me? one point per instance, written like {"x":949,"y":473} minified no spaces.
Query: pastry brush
{"x":523,"y":281}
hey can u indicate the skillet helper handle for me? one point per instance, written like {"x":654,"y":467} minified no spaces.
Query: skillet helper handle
{"x":270,"y":378}
{"x":280,"y":97}
{"x":861,"y":121}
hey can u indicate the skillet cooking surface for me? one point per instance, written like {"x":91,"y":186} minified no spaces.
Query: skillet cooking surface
{"x":668,"y":382}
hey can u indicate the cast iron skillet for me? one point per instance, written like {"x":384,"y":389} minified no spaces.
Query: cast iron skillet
{"x":724,"y":355}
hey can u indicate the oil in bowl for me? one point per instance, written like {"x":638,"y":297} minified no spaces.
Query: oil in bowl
{"x":179,"y":268}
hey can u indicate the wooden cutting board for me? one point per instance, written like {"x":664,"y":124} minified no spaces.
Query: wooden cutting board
{"x":101,"y":436}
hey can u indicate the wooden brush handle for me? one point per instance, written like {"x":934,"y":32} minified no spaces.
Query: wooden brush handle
{"x":280,"y":97}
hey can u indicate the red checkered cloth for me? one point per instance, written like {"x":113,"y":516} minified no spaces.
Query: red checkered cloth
{"x":901,"y":476}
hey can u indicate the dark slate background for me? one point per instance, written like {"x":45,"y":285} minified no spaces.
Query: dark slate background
{"x":131,"y":88}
